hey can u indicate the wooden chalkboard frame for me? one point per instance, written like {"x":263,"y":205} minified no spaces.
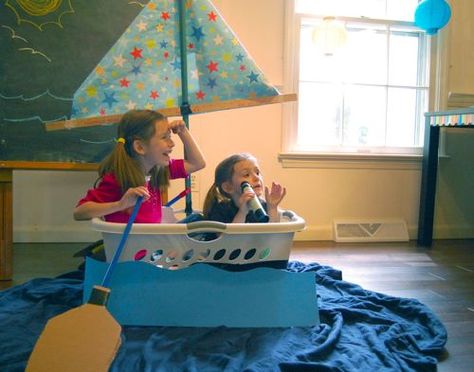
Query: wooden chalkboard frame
{"x":6,"y":203}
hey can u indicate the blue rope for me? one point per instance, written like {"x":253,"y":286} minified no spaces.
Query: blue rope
{"x":123,"y":240}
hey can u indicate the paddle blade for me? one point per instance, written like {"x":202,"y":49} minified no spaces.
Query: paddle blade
{"x":85,"y":338}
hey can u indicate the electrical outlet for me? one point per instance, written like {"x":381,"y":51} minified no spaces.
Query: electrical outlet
{"x":194,"y":182}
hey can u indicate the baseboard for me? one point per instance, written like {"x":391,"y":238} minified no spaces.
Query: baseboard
{"x":82,"y":233}
{"x":314,"y":233}
{"x":325,"y":232}
{"x":453,"y":232}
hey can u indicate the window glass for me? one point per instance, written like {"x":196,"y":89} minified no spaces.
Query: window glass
{"x":371,"y":92}
{"x":401,"y":10}
{"x":403,"y":57}
{"x":402,"y":116}
{"x":365,"y":54}
{"x":364,"y":113}
{"x":320,"y":115}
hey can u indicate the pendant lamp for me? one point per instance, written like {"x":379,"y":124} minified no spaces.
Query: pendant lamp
{"x":432,"y":15}
{"x":329,"y":36}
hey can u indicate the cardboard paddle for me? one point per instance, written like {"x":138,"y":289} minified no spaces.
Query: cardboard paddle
{"x":85,"y":338}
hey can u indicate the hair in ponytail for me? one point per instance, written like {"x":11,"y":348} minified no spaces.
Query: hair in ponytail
{"x":123,"y":160}
{"x":223,"y":173}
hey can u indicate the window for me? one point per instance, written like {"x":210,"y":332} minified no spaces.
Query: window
{"x":369,"y":96}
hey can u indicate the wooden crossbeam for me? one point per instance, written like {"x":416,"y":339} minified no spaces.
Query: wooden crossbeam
{"x":173,"y":111}
{"x":241,"y":103}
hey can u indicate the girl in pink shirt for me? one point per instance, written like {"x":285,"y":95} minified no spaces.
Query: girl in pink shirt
{"x":139,"y":165}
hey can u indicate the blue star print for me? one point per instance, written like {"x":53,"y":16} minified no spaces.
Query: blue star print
{"x":197,"y":33}
{"x":253,"y":77}
{"x":109,"y":99}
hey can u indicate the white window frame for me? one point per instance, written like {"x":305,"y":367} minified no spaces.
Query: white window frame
{"x":342,"y":159}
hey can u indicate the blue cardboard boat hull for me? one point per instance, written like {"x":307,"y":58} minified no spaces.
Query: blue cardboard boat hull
{"x":206,"y":296}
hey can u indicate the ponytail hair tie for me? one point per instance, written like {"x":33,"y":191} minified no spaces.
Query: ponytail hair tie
{"x":121,"y":140}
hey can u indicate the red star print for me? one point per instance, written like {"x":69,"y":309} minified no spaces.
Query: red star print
{"x":212,"y":16}
{"x":102,"y":111}
{"x":165,"y":15}
{"x":136,"y":53}
{"x":166,"y":54}
{"x":124,"y":83}
{"x":200,"y":95}
{"x":242,"y":68}
{"x":154,"y":94}
{"x":212,"y":66}
{"x":190,"y":45}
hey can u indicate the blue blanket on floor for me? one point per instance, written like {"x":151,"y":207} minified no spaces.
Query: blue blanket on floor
{"x":360,"y":330}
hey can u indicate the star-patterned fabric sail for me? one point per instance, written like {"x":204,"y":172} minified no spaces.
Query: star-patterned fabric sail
{"x":143,"y":68}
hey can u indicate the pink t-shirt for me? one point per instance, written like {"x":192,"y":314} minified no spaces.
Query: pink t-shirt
{"x":109,"y":190}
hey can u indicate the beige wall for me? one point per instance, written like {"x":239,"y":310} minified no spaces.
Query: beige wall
{"x":461,"y":47}
{"x":43,"y":213}
{"x":454,"y":214}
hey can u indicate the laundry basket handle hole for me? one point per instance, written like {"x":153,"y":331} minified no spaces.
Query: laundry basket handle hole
{"x":264,"y":253}
{"x":250,"y":253}
{"x":219,"y":254}
{"x":188,"y":255}
{"x":235,"y":254}
{"x":206,"y":226}
{"x":140,"y":254}
{"x":156,"y":255}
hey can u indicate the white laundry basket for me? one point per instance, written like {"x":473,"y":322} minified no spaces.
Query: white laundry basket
{"x":176,"y":245}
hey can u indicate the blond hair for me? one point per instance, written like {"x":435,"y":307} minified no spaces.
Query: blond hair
{"x":223,"y":173}
{"x":124,"y":162}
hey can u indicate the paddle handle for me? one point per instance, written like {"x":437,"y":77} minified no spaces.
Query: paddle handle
{"x":99,"y":295}
{"x":123,"y":240}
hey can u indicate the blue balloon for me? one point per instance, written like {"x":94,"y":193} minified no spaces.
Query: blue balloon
{"x":431,"y":15}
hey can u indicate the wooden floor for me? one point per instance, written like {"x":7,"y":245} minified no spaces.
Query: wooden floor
{"x":441,"y":277}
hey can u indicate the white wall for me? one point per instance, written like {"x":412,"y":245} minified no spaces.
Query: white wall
{"x":43,"y":201}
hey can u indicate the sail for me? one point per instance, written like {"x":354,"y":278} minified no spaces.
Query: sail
{"x":143,"y":68}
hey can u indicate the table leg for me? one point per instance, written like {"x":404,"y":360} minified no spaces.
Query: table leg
{"x":6,"y":224}
{"x":428,"y":185}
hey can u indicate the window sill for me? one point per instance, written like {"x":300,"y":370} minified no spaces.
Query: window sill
{"x":350,"y":161}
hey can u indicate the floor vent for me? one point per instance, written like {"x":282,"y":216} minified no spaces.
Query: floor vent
{"x":381,"y":230}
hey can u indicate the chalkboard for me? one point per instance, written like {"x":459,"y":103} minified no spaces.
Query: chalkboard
{"x":46,"y":51}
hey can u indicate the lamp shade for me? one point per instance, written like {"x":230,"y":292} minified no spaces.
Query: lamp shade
{"x":329,"y":36}
{"x":431,"y":15}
